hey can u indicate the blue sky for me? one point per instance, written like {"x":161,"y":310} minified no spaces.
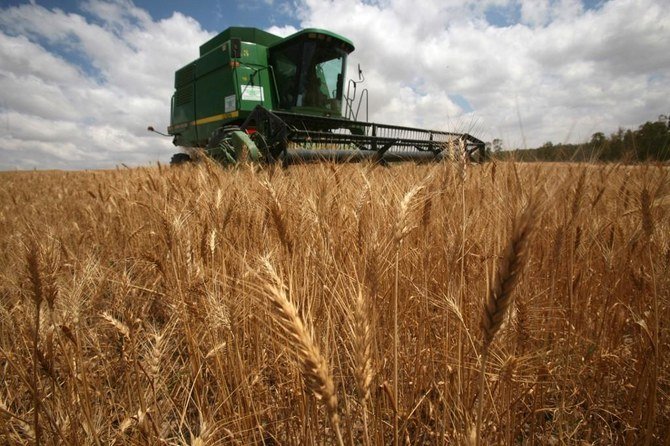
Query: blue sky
{"x":212,"y":15}
{"x":216,"y":15}
{"x":81,"y":79}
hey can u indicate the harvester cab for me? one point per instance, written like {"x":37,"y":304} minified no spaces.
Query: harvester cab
{"x":254,"y":96}
{"x":309,"y":71}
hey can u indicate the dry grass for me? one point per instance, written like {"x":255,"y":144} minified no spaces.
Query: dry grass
{"x":499,"y":304}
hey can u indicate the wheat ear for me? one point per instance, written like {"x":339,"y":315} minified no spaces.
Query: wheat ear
{"x":402,"y":229}
{"x":362,"y":337}
{"x":500,"y":296}
{"x":313,"y":365}
{"x":510,"y":266}
{"x":278,"y":217}
{"x":362,"y":332}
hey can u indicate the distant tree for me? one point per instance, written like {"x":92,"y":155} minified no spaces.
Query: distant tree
{"x":650,"y":142}
{"x":615,"y":148}
{"x":598,"y":139}
{"x":599,"y":147}
{"x":497,"y":145}
{"x":653,"y":139}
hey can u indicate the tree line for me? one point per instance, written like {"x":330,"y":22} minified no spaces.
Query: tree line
{"x":649,"y":142}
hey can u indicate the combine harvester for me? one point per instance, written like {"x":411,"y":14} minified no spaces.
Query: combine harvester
{"x":254,"y":96}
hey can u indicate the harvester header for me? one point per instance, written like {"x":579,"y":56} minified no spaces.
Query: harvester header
{"x":256,"y":96}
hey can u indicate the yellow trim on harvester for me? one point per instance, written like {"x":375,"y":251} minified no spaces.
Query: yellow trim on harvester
{"x":215,"y":118}
{"x":206,"y":120}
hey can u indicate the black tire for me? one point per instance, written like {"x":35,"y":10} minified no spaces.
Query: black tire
{"x":179,"y":159}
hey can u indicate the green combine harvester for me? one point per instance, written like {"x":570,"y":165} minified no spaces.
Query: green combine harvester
{"x":254,"y":96}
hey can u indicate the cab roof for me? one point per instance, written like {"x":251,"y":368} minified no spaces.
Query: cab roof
{"x":245,"y":34}
{"x":319,"y":34}
{"x":258,"y":36}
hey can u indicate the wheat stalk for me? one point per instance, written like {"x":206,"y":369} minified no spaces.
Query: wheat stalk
{"x":403,"y":226}
{"x":362,"y":332}
{"x":313,"y":365}
{"x":402,"y":229}
{"x":38,"y":295}
{"x":120,"y":326}
{"x":510,"y":267}
{"x":362,"y":337}
{"x":645,"y":208}
{"x":278,"y":217}
{"x":500,"y":296}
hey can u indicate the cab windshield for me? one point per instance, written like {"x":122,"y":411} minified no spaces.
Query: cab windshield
{"x":309,"y":73}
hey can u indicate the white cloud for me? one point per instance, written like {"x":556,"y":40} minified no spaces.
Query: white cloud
{"x":57,"y":114}
{"x":535,"y":12}
{"x":560,"y":74}
{"x":282,"y":31}
{"x":541,"y":12}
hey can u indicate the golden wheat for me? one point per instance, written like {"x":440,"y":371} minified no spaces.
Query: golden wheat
{"x":503,"y":303}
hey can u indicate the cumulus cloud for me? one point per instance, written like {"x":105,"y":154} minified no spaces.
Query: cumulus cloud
{"x":57,"y":113}
{"x":80,"y":88}
{"x":283,"y":31}
{"x":560,"y":73}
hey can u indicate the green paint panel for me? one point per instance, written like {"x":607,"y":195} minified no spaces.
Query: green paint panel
{"x":252,"y":35}
{"x":217,"y":90}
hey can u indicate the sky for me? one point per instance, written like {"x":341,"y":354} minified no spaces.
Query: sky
{"x":80,"y":80}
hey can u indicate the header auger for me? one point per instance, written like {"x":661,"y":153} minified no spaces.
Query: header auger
{"x":254,"y":96}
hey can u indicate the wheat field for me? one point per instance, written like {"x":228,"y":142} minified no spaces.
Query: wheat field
{"x":502,"y":303}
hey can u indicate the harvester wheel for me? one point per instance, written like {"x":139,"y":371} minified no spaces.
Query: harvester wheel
{"x":179,"y":159}
{"x":219,"y":146}
{"x":219,"y":135}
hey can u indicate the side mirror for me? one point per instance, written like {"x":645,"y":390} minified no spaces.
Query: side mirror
{"x":151,"y":129}
{"x":361,"y":78}
{"x":235,"y":48}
